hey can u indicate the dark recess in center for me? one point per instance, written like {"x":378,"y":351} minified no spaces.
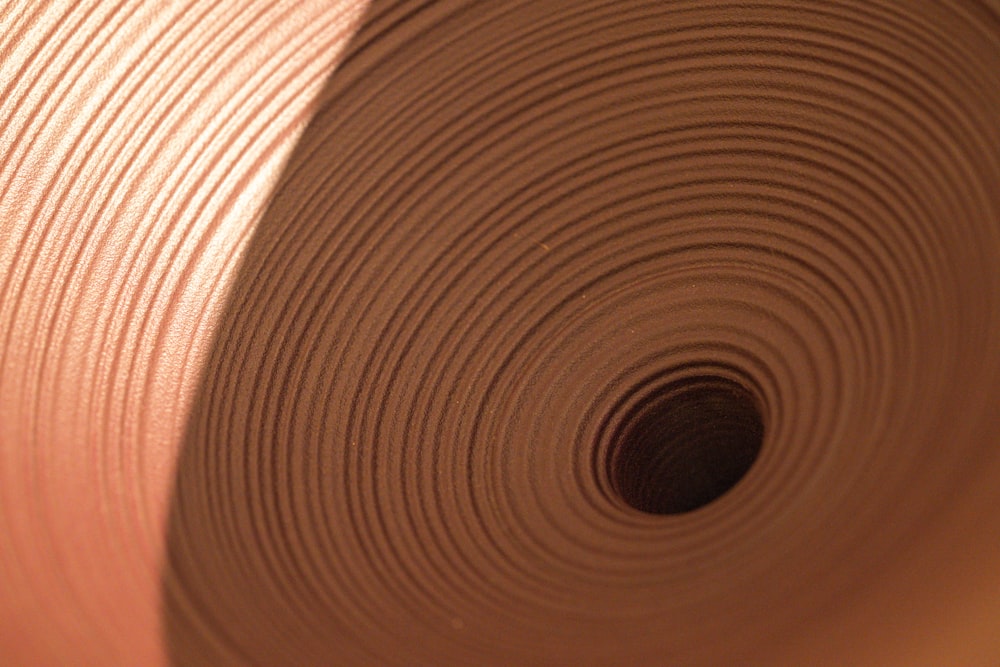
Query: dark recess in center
{"x":686,"y":444}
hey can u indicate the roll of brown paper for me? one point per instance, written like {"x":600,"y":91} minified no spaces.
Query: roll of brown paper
{"x":501,"y":333}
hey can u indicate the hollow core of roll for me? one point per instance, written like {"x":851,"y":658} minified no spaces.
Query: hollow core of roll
{"x":686,"y":444}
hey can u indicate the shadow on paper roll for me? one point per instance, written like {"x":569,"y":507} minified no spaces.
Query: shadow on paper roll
{"x":592,"y":333}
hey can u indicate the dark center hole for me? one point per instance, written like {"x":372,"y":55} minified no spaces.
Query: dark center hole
{"x":686,"y":444}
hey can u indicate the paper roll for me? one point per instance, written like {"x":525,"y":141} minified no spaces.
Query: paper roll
{"x":577,"y":333}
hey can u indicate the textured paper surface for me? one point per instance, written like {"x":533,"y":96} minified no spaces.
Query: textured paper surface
{"x":318,"y":345}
